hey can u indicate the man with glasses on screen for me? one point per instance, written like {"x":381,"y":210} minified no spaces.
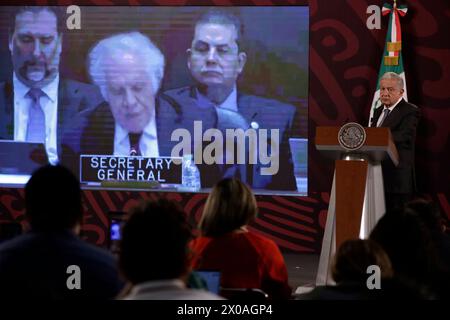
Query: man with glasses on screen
{"x":128,"y":68}
{"x":215,"y":62}
{"x":36,"y":104}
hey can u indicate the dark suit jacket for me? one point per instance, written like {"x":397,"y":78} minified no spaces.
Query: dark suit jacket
{"x":269,"y":114}
{"x":34,"y":266}
{"x":73,"y":97}
{"x":403,"y":123}
{"x":93,"y":131}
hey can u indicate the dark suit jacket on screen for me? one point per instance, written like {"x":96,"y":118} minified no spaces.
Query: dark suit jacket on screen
{"x":73,"y":97}
{"x":93,"y":132}
{"x":268,"y":114}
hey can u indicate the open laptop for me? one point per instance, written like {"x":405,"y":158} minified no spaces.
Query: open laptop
{"x":211,"y":279}
{"x":19,"y":159}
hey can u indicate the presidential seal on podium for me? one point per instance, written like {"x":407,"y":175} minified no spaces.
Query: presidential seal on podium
{"x":352,"y":136}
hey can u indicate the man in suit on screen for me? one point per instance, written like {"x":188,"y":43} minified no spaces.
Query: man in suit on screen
{"x":215,"y":61}
{"x":36,"y":103}
{"x":136,"y":120}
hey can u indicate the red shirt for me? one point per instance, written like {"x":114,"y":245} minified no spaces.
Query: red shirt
{"x":245,"y":260}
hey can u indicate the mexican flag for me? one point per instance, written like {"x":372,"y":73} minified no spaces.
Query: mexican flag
{"x":392,"y":60}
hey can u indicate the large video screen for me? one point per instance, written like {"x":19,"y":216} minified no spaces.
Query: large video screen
{"x":123,"y":93}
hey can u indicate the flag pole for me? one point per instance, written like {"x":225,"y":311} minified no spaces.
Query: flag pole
{"x":391,"y":59}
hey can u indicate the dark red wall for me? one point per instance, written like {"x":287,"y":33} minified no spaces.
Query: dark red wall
{"x":344,"y":61}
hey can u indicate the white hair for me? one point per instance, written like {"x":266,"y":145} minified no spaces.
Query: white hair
{"x":395,"y":76}
{"x":132,"y":43}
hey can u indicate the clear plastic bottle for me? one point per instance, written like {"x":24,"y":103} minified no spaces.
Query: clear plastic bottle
{"x":190,"y":174}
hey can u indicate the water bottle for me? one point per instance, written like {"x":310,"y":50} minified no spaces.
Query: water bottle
{"x":190,"y":174}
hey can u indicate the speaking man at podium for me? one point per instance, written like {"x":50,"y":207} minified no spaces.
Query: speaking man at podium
{"x":402,"y":118}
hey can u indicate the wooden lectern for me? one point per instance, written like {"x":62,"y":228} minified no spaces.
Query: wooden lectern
{"x":357,"y":194}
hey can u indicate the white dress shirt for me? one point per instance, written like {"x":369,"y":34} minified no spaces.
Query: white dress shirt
{"x":49,"y":104}
{"x":229,"y":103}
{"x":148,"y":144}
{"x":390,"y":110}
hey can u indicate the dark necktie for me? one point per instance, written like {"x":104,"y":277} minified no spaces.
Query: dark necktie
{"x":36,"y":117}
{"x":385,"y":114}
{"x":134,"y":143}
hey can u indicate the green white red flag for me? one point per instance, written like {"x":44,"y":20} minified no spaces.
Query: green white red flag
{"x":392,"y":60}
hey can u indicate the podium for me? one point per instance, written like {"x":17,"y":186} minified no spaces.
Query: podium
{"x":357,"y":195}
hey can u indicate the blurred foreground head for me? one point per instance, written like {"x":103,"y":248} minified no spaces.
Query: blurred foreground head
{"x":353,"y":258}
{"x":53,"y":199}
{"x":154,"y":242}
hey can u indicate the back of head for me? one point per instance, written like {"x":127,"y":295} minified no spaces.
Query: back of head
{"x":230,"y":206}
{"x":53,"y":199}
{"x":427,"y":212}
{"x":408,"y":243}
{"x":354,"y":256}
{"x":154,"y":242}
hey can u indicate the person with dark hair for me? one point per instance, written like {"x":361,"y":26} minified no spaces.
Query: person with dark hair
{"x":154,"y":255}
{"x":215,"y":61}
{"x":428,"y":212}
{"x":408,"y":244}
{"x":412,"y":251}
{"x":349,"y":271}
{"x":37,"y":264}
{"x":435,"y":222}
{"x":354,"y":263}
{"x":401,"y":118}
{"x":48,"y":192}
{"x":353,"y":258}
{"x":244,"y":258}
{"x":57,"y":11}
{"x":36,"y":103}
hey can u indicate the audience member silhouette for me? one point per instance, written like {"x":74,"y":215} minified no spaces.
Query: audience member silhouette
{"x":43,"y":263}
{"x":362,"y":270}
{"x":354,"y":257}
{"x":244,"y":258}
{"x":154,"y":255}
{"x":350,"y":272}
{"x":428,"y":213}
{"x":414,"y":256}
{"x":435,"y":222}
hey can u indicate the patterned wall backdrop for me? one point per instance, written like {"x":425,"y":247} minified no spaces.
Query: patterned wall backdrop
{"x":295,"y":223}
{"x":344,"y":59}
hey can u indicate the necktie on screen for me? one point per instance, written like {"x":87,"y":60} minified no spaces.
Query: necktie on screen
{"x":134,"y":143}
{"x":385,"y":114}
{"x":36,"y":117}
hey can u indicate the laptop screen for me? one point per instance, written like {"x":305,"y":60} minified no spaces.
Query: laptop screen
{"x":211,"y":279}
{"x":32,"y":156}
